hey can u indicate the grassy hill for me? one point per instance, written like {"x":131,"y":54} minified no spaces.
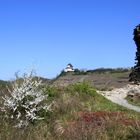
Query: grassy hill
{"x":78,"y":111}
{"x":102,"y":78}
{"x":99,"y":78}
{"x":3,"y":87}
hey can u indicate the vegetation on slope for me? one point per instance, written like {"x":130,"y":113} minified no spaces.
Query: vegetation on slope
{"x":132,"y":101}
{"x":78,"y":113}
{"x":97,"y":71}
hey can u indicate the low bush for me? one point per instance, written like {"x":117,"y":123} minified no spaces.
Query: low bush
{"x":25,"y":102}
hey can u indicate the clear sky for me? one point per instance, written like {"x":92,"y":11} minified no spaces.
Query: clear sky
{"x":52,"y":33}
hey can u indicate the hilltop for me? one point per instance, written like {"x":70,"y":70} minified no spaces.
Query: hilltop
{"x":78,"y":111}
{"x":103,"y":78}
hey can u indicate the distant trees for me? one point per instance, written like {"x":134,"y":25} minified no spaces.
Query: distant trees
{"x":98,"y":71}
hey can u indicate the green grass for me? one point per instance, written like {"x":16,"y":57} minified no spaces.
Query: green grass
{"x":65,"y":122}
{"x":133,"y":102}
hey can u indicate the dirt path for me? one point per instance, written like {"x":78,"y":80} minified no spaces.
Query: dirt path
{"x":118,"y":96}
{"x":83,"y":78}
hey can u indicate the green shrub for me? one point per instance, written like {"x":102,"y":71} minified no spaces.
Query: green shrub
{"x":83,"y":88}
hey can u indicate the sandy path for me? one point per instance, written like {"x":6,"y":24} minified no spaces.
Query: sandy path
{"x":118,"y":96}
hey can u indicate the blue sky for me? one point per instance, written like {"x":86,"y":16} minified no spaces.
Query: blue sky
{"x":52,"y":33}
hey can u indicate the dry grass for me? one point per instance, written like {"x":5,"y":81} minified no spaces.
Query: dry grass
{"x":98,"y":125}
{"x":79,"y":113}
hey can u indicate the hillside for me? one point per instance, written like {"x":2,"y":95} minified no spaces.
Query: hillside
{"x":77,"y":111}
{"x":99,"y":78}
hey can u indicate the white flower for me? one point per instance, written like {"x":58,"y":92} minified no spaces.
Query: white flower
{"x":25,"y":100}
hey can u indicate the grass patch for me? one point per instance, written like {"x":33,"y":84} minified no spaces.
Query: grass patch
{"x":133,"y":102}
{"x":78,"y":113}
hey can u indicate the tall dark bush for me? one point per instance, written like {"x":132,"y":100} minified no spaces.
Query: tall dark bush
{"x":135,"y":74}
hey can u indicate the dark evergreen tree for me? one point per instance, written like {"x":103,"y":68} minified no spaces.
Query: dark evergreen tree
{"x":135,"y":74}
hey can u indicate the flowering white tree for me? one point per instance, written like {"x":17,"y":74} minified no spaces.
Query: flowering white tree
{"x":25,"y":101}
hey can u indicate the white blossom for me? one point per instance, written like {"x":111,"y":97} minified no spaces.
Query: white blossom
{"x":24,"y":100}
